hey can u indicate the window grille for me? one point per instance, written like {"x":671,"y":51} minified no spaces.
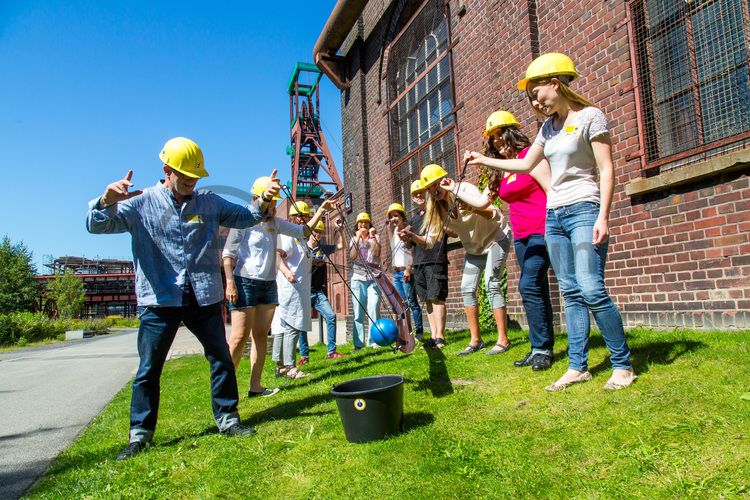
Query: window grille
{"x":420,"y":96}
{"x":692,"y":65}
{"x":441,"y":150}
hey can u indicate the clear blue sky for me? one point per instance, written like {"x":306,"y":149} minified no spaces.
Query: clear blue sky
{"x":90,"y":89}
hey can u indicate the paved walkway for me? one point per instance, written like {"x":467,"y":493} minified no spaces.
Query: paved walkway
{"x":46,"y":398}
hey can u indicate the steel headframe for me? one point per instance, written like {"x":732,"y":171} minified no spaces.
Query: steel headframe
{"x":308,"y":149}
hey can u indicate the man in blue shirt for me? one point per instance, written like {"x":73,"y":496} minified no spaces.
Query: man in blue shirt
{"x":177,"y":256}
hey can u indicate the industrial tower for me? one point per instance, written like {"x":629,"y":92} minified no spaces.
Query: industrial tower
{"x":309,"y":154}
{"x":308,"y":148}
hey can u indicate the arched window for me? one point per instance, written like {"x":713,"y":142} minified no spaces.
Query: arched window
{"x":421,"y":113}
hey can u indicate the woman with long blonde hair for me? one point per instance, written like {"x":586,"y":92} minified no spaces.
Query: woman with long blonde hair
{"x":575,"y":140}
{"x":486,"y":238}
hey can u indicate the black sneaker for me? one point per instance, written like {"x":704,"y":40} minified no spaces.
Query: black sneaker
{"x":132,"y":450}
{"x":541,"y":362}
{"x":525,"y":361}
{"x":239,"y":430}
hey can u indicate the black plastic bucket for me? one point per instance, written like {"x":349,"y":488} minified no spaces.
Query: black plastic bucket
{"x":371,"y":408}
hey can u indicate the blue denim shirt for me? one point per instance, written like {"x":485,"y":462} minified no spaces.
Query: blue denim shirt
{"x":173,"y":245}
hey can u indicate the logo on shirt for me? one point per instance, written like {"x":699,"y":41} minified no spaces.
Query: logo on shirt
{"x":270,"y":230}
{"x":195,"y":219}
{"x":571,"y":129}
{"x":511,"y":178}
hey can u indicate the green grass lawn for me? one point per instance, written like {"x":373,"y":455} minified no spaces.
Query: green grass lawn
{"x":475,"y":427}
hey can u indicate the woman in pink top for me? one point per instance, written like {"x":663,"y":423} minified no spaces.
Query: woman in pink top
{"x":527,"y":202}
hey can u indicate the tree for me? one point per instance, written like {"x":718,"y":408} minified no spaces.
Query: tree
{"x":18,"y":288}
{"x":68,"y":293}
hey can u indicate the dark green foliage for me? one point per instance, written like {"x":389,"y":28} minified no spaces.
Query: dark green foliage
{"x":18,"y":288}
{"x":21,"y":328}
{"x":68,"y":293}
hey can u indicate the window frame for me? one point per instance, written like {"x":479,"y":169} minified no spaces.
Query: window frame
{"x":397,"y":163}
{"x":699,"y":151}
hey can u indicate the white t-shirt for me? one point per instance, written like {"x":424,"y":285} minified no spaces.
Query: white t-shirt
{"x":254,"y":248}
{"x":400,"y":255}
{"x":571,"y":158}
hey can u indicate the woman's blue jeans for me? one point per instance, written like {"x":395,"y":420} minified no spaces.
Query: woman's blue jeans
{"x":409,"y":294}
{"x":365,"y":294}
{"x":533,"y":286}
{"x":579,"y":268}
{"x":320,"y":303}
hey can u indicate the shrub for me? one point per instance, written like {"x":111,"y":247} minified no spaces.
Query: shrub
{"x":486,"y":318}
{"x":68,"y":293}
{"x":24,"y":327}
{"x":20,"y":328}
{"x":18,"y":288}
{"x":120,"y":322}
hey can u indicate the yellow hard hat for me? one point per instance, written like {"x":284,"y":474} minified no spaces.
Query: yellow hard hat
{"x":431,"y":174}
{"x":416,"y":186}
{"x":550,"y":64}
{"x":185,"y":156}
{"x":395,"y":207}
{"x":320,"y":227}
{"x":363,"y":217}
{"x":299,"y":208}
{"x":499,"y":119}
{"x":260,"y":185}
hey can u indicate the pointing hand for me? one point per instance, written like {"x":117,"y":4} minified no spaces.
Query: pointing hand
{"x":118,"y":190}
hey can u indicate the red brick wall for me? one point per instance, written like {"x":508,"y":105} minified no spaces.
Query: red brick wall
{"x":677,"y":257}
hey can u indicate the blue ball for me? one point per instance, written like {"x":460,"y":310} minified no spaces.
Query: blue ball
{"x":384,"y":332}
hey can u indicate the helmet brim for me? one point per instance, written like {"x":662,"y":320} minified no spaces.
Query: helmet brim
{"x":188,"y":174}
{"x":491,"y":130}
{"x":525,"y":82}
{"x":426,"y":185}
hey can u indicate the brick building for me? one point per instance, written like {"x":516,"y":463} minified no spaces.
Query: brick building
{"x":418,"y":79}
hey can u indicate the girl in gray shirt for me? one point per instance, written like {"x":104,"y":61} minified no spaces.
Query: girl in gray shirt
{"x":575,"y":140}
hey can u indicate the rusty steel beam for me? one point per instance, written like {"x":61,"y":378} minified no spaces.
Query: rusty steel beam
{"x":345,"y":13}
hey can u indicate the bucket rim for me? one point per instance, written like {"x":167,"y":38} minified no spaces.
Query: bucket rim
{"x":399,"y":380}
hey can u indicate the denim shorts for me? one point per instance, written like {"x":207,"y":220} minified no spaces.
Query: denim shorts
{"x":251,"y":293}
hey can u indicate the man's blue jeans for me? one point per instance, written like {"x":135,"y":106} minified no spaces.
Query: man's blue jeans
{"x":409,"y":294}
{"x":320,"y":303}
{"x":533,"y":286}
{"x":155,"y":335}
{"x":579,"y":268}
